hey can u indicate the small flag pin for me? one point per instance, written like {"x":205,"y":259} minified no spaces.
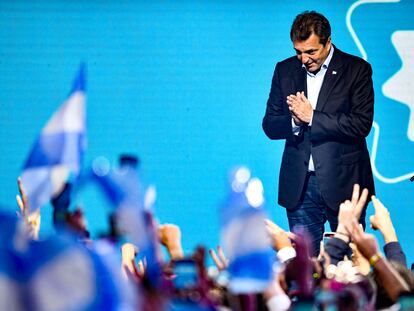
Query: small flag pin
{"x":334,"y":72}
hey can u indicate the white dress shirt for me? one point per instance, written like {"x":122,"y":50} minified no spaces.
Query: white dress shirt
{"x":313,"y":85}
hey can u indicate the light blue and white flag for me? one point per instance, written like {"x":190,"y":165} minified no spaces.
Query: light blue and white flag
{"x":11,"y":279}
{"x":244,"y":237}
{"x":57,"y":273}
{"x":58,"y":150}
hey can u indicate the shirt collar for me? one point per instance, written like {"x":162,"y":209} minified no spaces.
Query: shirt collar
{"x":325,"y":63}
{"x":328,"y":59}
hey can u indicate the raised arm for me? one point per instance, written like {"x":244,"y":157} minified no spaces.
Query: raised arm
{"x":170,"y":236}
{"x":381,"y":221}
{"x":388,"y":276}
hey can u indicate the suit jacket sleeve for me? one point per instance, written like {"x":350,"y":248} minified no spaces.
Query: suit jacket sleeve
{"x":354,"y":121}
{"x":277,"y":122}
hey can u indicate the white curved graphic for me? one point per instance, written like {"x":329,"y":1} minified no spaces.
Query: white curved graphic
{"x":400,"y":77}
{"x":351,"y":29}
{"x":374,"y":155}
{"x":401,"y":85}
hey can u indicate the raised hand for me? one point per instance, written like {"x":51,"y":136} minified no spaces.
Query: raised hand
{"x":393,"y":283}
{"x":128,"y":253}
{"x":219,"y":258}
{"x":22,"y":200}
{"x":279,"y":237}
{"x":366,"y":243}
{"x":351,"y":209}
{"x":169,"y":235}
{"x":381,"y":221}
{"x":359,"y":200}
{"x":32,"y":220}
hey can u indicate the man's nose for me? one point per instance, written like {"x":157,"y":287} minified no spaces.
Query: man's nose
{"x":304,"y":59}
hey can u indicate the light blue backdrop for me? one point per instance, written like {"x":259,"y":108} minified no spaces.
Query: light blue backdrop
{"x":184,"y":85}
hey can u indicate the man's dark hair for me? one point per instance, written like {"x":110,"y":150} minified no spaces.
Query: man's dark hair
{"x":310,"y":22}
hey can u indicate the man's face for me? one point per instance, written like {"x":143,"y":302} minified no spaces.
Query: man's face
{"x":311,"y":52}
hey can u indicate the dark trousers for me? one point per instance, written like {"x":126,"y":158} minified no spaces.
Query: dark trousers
{"x":312,"y":214}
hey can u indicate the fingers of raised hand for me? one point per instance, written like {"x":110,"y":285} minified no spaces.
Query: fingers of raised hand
{"x":378,"y":206}
{"x":361,"y":203}
{"x":128,"y":252}
{"x":221,"y":255}
{"x":374,"y":222}
{"x":21,"y":205}
{"x":219,"y":260}
{"x":215,"y":258}
{"x":355,"y":194}
{"x":22,"y":191}
{"x":345,"y":211}
{"x":168,"y":231}
{"x":272,"y":228}
{"x":354,"y":230}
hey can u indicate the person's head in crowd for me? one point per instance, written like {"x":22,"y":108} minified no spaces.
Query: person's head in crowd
{"x":356,"y":296}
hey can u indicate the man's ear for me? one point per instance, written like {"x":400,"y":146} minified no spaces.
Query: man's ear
{"x":328,"y":43}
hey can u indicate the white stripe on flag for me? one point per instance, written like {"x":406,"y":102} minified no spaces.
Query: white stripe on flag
{"x":69,"y":118}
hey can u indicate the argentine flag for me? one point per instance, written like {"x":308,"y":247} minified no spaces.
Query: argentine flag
{"x":58,"y":273}
{"x":59,"y":148}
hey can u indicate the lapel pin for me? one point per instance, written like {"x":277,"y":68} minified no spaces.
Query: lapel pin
{"x":334,"y":72}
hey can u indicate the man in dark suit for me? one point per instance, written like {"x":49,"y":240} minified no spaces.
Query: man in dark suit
{"x":322,"y":103}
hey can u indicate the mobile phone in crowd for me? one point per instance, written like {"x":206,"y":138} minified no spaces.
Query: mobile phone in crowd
{"x":186,"y":274}
{"x":327,"y":236}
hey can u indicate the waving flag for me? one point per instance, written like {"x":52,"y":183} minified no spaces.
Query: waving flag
{"x":243,"y":235}
{"x":58,"y":150}
{"x":57,"y":273}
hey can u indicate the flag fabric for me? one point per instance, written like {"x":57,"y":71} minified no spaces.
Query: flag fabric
{"x":244,"y":237}
{"x":56,"y":274}
{"x":58,"y":151}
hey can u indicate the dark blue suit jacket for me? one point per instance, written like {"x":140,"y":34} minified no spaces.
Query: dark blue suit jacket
{"x":341,"y":120}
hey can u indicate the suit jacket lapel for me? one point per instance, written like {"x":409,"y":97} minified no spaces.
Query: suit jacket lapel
{"x":299,"y":84}
{"x":299,"y":79}
{"x":332,"y":75}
